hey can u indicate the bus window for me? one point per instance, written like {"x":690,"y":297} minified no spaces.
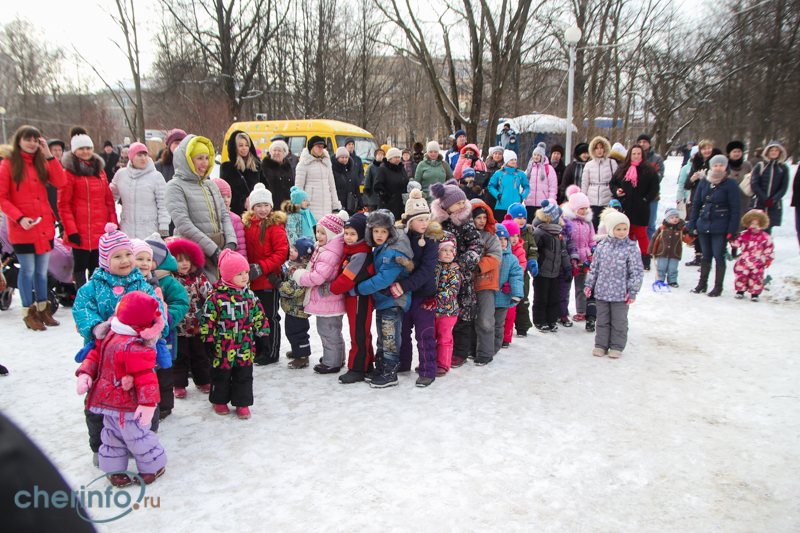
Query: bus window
{"x":365,"y":147}
{"x":296,"y":144}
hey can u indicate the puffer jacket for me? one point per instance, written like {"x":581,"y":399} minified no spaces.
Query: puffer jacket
{"x":241,"y":182}
{"x":270,"y":254}
{"x":292,"y":294}
{"x":463,"y":162}
{"x":141,"y":193}
{"x":85,"y":202}
{"x":29,"y":199}
{"x":432,"y":171}
{"x":488,"y":276}
{"x":469,"y":250}
{"x":617,"y":271}
{"x":120,"y":355}
{"x":510,"y":272}
{"x":97,"y":300}
{"x":770,"y":181}
{"x":197,"y":289}
{"x":716,"y":208}
{"x":232,"y":318}
{"x":392,"y":261}
{"x":238,"y":228}
{"x":195,"y":203}
{"x":356,"y":266}
{"x":505,"y":185}
{"x":552,"y":248}
{"x":543,"y":182}
{"x":422,"y":281}
{"x":597,"y":174}
{"x":448,"y":283}
{"x":322,"y":269}
{"x":370,"y":196}
{"x":315,"y":177}
{"x":347,"y":185}
{"x":582,"y":232}
{"x":667,"y":241}
{"x":390,"y":184}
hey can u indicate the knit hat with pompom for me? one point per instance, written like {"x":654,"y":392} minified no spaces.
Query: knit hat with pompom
{"x":333,"y":223}
{"x":448,"y":193}
{"x":139,"y":311}
{"x":111,"y":241}
{"x":511,"y":226}
{"x":416,"y":206}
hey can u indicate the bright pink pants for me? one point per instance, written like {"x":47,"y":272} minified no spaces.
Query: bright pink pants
{"x":508,"y":330}
{"x":444,"y":340}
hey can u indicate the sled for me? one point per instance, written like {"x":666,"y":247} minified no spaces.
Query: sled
{"x":659,"y":286}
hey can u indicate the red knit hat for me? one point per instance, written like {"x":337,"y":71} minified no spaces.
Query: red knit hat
{"x":231,"y":264}
{"x":140,"y":311}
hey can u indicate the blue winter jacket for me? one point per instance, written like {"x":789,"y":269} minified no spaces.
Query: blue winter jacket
{"x":96,"y":301}
{"x":387,"y":271}
{"x":505,"y":185}
{"x":510,"y":272}
{"x":422,"y":280}
{"x":716,"y":209}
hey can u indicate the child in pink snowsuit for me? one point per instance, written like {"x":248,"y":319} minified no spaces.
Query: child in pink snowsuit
{"x":755,"y":255}
{"x":518,"y":249}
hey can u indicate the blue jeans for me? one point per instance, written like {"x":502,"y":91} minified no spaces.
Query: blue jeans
{"x":32,"y":277}
{"x":667,"y":269}
{"x":389,"y":323}
{"x":714,"y":246}
{"x":651,"y":226}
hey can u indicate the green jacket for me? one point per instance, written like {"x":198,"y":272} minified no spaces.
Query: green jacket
{"x":174,"y":294}
{"x":430,"y":172}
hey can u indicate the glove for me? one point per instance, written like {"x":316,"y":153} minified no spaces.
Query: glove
{"x":127,"y":382}
{"x":429,"y":304}
{"x":588,"y":292}
{"x":101,"y":330}
{"x":150,"y":343}
{"x":769,"y":202}
{"x":163,"y":354}
{"x":74,"y":238}
{"x":567,"y":274}
{"x":396,"y":290}
{"x":211,"y":349}
{"x":506,"y":288}
{"x":693,"y":232}
{"x":230,"y":246}
{"x":352,"y":292}
{"x":575,"y":270}
{"x":325,"y":290}
{"x":255,"y":271}
{"x":275,"y":280}
{"x":144,"y":414}
{"x":298,"y":274}
{"x":215,"y":256}
{"x":532,"y":267}
{"x":84,"y":383}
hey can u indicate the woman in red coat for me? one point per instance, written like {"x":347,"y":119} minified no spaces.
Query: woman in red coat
{"x":85,"y":204}
{"x":31,"y":223}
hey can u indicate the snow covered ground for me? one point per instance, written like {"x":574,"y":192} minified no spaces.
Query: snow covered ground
{"x":695,"y":428}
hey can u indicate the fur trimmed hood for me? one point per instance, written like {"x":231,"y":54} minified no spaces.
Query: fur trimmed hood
{"x":68,"y":161}
{"x":288,"y":207}
{"x":459,"y":219}
{"x":434,"y":232}
{"x":775,"y":144}
{"x":178,"y":246}
{"x":605,"y":143}
{"x":274,"y":218}
{"x":306,"y":158}
{"x":569,"y":214}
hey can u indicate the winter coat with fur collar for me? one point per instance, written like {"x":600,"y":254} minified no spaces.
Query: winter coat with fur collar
{"x":582,"y":232}
{"x":85,"y":202}
{"x":323,"y":268}
{"x":315,"y":176}
{"x":241,"y":181}
{"x":270,"y":254}
{"x":597,"y":174}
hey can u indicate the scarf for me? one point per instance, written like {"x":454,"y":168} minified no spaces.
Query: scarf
{"x":122,"y":329}
{"x":736,"y":164}
{"x":308,"y":223}
{"x":632,"y":174}
{"x":716,"y":177}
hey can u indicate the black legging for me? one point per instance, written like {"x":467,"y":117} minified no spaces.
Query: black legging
{"x":84,"y":260}
{"x":596,"y":210}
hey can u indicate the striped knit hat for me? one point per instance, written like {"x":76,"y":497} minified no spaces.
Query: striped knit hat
{"x":112,"y":240}
{"x":333,"y":223}
{"x":140,"y":246}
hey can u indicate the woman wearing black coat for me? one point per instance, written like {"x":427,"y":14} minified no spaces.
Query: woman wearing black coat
{"x":391,"y":182}
{"x":242,"y":170}
{"x":770,"y":181}
{"x":278,"y":172}
{"x":346,"y":176}
{"x":635,"y":184}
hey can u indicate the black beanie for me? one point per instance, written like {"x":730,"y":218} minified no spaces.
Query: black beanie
{"x":359,"y":223}
{"x":643,"y":137}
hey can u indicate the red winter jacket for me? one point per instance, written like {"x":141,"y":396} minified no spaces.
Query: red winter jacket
{"x":85,"y":203}
{"x":121,"y":355}
{"x":29,"y":199}
{"x":270,"y":254}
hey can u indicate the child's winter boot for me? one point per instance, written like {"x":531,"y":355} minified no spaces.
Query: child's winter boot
{"x":754,"y":297}
{"x":565,"y":321}
{"x":221,"y":409}
{"x":243,"y":413}
{"x":149,"y":478}
{"x":614,"y":354}
{"x":298,"y":363}
{"x":119,"y":480}
{"x":180,"y":392}
{"x":205,"y":388}
{"x":388,"y":377}
{"x":351,"y":376}
{"x":590,"y":324}
{"x":424,"y":382}
{"x":739,"y":295}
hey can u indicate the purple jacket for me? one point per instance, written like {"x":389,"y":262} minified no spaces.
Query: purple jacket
{"x":617,"y":270}
{"x":238,"y":227}
{"x":582,"y":232}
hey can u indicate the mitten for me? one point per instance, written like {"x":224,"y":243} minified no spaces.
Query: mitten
{"x":215,"y":256}
{"x":230,"y":246}
{"x":567,"y":274}
{"x":429,"y":304}
{"x":163,"y":354}
{"x":83,"y":352}
{"x":588,"y":292}
{"x":255,"y":271}
{"x":731,"y":237}
{"x":532,"y":267}
{"x":629,"y":301}
{"x":127,"y":382}
{"x":144,"y":414}
{"x":575,"y":270}
{"x":769,"y":202}
{"x":506,"y":288}
{"x":84,"y":383}
{"x":396,"y":290}
{"x":74,"y":238}
{"x":298,"y":274}
{"x":101,"y":330}
{"x":275,"y":280}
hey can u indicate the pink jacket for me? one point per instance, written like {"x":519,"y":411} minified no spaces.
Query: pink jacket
{"x":582,"y":231}
{"x":463,"y":162}
{"x":541,"y":189}
{"x":519,"y":252}
{"x":238,"y":227}
{"x":323,"y":268}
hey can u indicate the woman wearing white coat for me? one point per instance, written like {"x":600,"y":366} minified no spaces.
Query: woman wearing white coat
{"x":597,"y":175}
{"x":315,"y":176}
{"x":139,"y":187}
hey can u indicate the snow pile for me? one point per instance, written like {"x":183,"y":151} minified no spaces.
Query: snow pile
{"x":536,"y":123}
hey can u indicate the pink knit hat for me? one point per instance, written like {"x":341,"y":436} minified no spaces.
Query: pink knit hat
{"x":140,"y":246}
{"x":511,"y":226}
{"x":334,"y":223}
{"x":577,"y":201}
{"x":110,"y":241}
{"x":231,"y":264}
{"x":135,"y":148}
{"x":223,"y":186}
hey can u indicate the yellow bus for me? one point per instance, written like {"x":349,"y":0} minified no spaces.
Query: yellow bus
{"x":298,"y":132}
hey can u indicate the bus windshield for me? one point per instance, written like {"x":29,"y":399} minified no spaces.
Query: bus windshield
{"x":365,"y":146}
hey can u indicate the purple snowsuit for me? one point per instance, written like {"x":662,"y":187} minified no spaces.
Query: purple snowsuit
{"x":148,"y":453}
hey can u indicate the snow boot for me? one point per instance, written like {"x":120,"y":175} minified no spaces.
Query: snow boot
{"x":164,"y":413}
{"x":696,"y":262}
{"x":221,"y":409}
{"x":424,"y":382}
{"x":702,"y":286}
{"x":388,"y":377}
{"x":298,"y":363}
{"x":506,"y":344}
{"x":646,"y":262}
{"x":590,"y":324}
{"x":614,"y":354}
{"x":323,"y":369}
{"x":373,"y":373}
{"x":119,"y":480}
{"x":351,"y":376}
{"x":565,"y":321}
{"x":719,"y":278}
{"x":522,"y":334}
{"x":149,"y":478}
{"x":204,"y":388}
{"x":3,"y":371}
{"x":674,"y":285}
{"x":754,"y":297}
{"x":180,"y":392}
{"x":578,"y":318}
{"x":483,"y":361}
{"x":45,"y":315}
{"x":441,"y":372}
{"x":457,"y":361}
{"x":243,"y":413}
{"x":598,"y":352}
{"x":30,"y":315}
{"x":553,"y":327}
{"x":739,"y":295}
{"x":544,"y":328}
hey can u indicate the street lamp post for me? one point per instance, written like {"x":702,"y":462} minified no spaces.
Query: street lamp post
{"x":3,"y":118}
{"x":572,"y":35}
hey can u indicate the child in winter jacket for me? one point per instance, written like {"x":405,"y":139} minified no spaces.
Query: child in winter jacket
{"x":267,"y":249}
{"x":565,"y":279}
{"x":139,"y":187}
{"x":667,"y":247}
{"x":553,"y":260}
{"x":232,"y":317}
{"x":292,"y":296}
{"x":123,"y":389}
{"x":238,"y":227}
{"x":614,"y":279}
{"x":468,"y":184}
{"x":508,"y":185}
{"x":299,"y":218}
{"x":423,"y":236}
{"x":448,"y":284}
{"x":392,"y":258}
{"x":355,"y":267}
{"x":542,"y":180}
{"x":469,"y":158}
{"x":522,"y":321}
{"x":757,"y":253}
{"x":578,"y":212}
{"x":329,"y":308}
{"x":486,"y":283}
{"x":510,"y":279}
{"x":517,"y":248}
{"x":191,"y":351}
{"x":451,"y":210}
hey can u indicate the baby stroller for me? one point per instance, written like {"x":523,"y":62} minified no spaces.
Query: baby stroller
{"x":60,"y":289}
